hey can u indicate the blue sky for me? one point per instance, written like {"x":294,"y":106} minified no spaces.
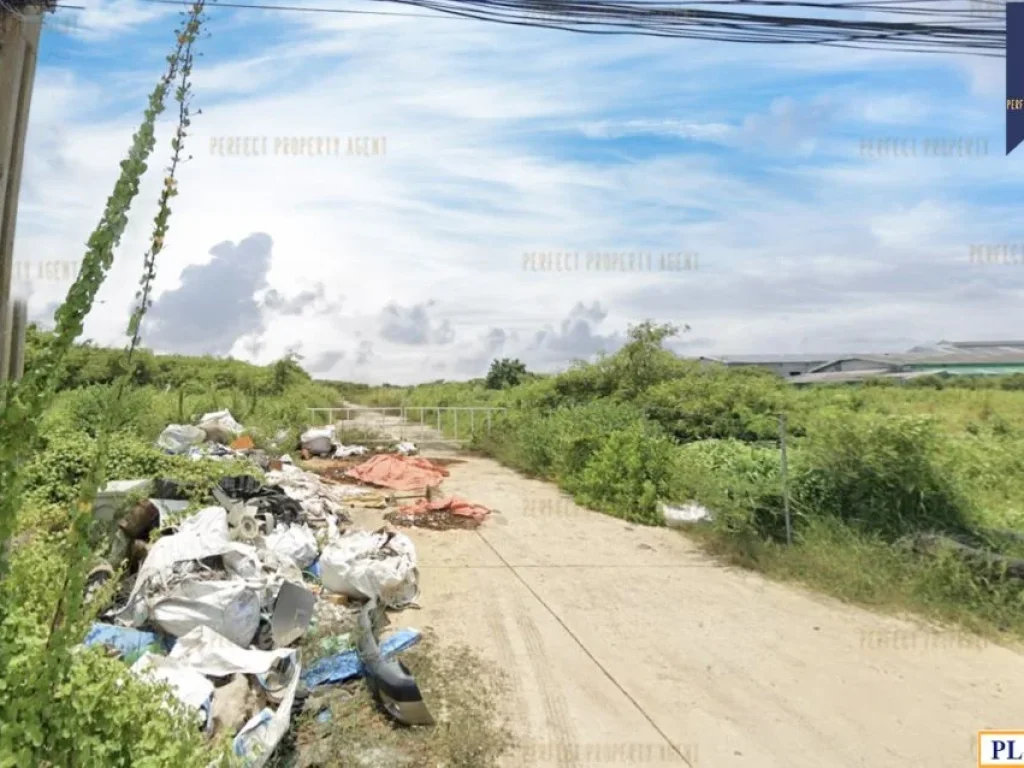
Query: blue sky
{"x":408,"y":266}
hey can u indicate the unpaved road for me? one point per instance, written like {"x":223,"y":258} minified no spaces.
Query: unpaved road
{"x":627,"y":646}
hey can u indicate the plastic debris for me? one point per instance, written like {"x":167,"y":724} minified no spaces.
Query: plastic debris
{"x":318,"y":499}
{"x":687,"y":514}
{"x":345,"y":666}
{"x":406,"y":448}
{"x":231,"y":608}
{"x":319,"y":441}
{"x":130,"y":643}
{"x":296,"y":542}
{"x":178,"y":438}
{"x":293,"y":612}
{"x":220,"y":426}
{"x":214,"y":655}
{"x":256,"y":742}
{"x":365,"y":565}
{"x":344,"y":451}
{"x":190,"y":687}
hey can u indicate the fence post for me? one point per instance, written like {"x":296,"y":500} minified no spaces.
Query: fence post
{"x":785,"y":480}
{"x":19,"y":321}
{"x":472,"y":422}
{"x":488,"y":421}
{"x":456,"y":412}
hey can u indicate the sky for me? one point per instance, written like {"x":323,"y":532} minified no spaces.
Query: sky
{"x":750,"y":174}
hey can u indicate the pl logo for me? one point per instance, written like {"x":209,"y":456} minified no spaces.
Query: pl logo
{"x":1000,"y":748}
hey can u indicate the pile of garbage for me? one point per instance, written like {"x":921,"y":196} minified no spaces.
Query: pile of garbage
{"x":217,"y":601}
{"x":323,"y":442}
{"x":440,"y":514}
{"x":216,"y":436}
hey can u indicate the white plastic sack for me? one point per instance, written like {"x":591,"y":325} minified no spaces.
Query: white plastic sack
{"x":256,"y":742}
{"x":189,"y":686}
{"x":345,"y":451}
{"x":296,"y":542}
{"x":209,"y":653}
{"x":221,"y":426}
{"x":406,"y":448}
{"x":318,"y":440}
{"x":352,"y":565}
{"x":230,"y":608}
{"x":178,"y":438}
{"x":687,"y":514}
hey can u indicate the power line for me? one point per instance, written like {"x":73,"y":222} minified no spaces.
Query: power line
{"x":940,"y":30}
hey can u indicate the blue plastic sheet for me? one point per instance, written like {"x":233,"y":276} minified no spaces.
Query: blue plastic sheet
{"x":314,"y":570}
{"x":131,"y":643}
{"x":345,"y":666}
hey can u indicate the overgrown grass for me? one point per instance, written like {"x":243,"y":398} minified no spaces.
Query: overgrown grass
{"x":870,"y":467}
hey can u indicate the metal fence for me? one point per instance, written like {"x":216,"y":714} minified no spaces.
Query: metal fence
{"x":421,"y":424}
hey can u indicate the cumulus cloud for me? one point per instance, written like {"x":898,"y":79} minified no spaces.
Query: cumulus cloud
{"x":314,"y":300}
{"x":413,"y":325}
{"x":324,"y":362}
{"x":576,"y":338}
{"x":214,"y":305}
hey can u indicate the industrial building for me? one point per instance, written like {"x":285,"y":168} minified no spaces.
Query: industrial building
{"x":950,"y":358}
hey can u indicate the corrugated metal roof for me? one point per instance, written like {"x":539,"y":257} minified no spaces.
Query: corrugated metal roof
{"x":753,"y":359}
{"x":840,"y":377}
{"x":993,"y":356}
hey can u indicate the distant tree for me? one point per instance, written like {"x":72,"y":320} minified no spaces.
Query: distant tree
{"x":505,"y":373}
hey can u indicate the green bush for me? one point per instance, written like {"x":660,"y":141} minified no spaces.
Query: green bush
{"x":715,"y":402}
{"x":626,"y":475}
{"x":883,"y":475}
{"x":740,"y":482}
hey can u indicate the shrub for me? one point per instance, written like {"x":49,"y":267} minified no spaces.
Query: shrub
{"x":878,"y":474}
{"x":626,"y":475}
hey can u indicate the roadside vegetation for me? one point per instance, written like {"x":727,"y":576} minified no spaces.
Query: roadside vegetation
{"x":874,"y":470}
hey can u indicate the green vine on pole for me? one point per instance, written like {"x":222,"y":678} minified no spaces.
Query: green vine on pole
{"x":25,"y":401}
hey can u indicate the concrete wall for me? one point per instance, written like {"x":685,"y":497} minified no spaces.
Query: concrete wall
{"x":19,"y":46}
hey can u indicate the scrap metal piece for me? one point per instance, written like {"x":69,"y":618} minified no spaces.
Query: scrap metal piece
{"x":293,"y":613}
{"x":389,"y":680}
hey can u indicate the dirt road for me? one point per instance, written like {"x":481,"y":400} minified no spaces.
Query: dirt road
{"x":626,"y":646}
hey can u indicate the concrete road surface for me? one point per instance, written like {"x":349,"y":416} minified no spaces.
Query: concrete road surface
{"x":627,"y":646}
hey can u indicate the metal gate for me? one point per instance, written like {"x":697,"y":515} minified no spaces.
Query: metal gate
{"x":424,"y":425}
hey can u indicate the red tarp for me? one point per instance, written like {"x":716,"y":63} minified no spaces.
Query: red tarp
{"x":452,"y":505}
{"x":400,"y":473}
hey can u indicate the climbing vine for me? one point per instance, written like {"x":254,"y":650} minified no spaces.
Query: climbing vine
{"x":62,"y":707}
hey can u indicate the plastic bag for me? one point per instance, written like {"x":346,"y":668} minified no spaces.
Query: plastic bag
{"x":178,"y":438}
{"x":230,"y":608}
{"x":220,"y":426}
{"x":363,"y":565}
{"x":297,"y":543}
{"x":319,"y":440}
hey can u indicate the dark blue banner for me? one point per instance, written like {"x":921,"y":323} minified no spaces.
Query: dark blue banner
{"x":1014,"y":75}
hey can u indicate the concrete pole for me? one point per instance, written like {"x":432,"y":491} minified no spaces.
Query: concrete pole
{"x":19,"y":324}
{"x":19,"y":47}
